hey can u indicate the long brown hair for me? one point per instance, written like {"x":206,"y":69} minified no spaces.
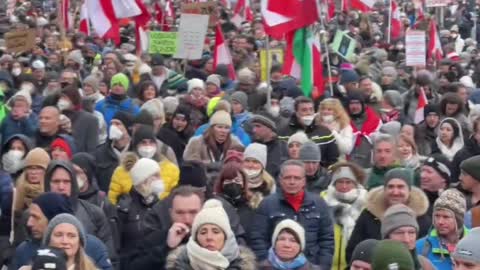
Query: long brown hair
{"x":231,"y":170}
{"x":209,"y":138}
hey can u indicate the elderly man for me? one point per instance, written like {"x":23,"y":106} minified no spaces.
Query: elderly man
{"x":294,"y":202}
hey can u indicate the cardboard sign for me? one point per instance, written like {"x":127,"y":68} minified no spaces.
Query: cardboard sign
{"x":344,"y":45}
{"x":205,"y":8}
{"x":275,"y":56}
{"x":19,"y":41}
{"x":415,"y":48}
{"x":191,"y":36}
{"x":163,"y":42}
{"x":437,"y":3}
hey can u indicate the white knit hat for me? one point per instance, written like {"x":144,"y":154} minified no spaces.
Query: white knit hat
{"x":256,"y":151}
{"x":195,"y":83}
{"x":143,"y":169}
{"x":343,"y":172}
{"x":221,"y":118}
{"x":212,"y":213}
{"x":292,"y":225}
{"x":22,"y":94}
{"x":299,"y":137}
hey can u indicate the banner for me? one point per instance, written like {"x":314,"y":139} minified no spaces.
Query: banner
{"x":19,"y":41}
{"x":437,"y":3}
{"x":415,"y":48}
{"x":191,"y":36}
{"x":163,"y":42}
{"x":344,"y":45}
{"x":204,"y":8}
{"x":275,"y":57}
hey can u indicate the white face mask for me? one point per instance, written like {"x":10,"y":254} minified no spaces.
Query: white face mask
{"x":328,"y":118}
{"x":80,"y":182}
{"x":308,"y":120}
{"x":147,"y":151}
{"x":157,"y":187}
{"x":12,"y":161}
{"x":274,"y":111}
{"x":28,"y":87}
{"x":63,"y":104}
{"x":16,"y":71}
{"x":115,"y":133}
{"x":252,"y":173}
{"x":144,"y":189}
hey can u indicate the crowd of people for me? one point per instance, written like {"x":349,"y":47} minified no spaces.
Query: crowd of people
{"x":116,"y":160}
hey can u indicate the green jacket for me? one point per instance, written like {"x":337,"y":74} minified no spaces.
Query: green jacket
{"x":375,"y":179}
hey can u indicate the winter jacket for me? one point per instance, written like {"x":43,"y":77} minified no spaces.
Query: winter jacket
{"x":122,"y":182}
{"x":320,"y":135}
{"x":94,"y":248}
{"x":238,"y":210}
{"x":237,"y":131}
{"x":26,"y":126}
{"x":319,"y":181}
{"x":314,"y":216}
{"x":266,"y":265}
{"x":197,"y":149}
{"x":109,"y":106}
{"x":84,"y":130}
{"x":176,"y":140}
{"x":363,"y":128}
{"x":106,"y":163}
{"x":375,"y":179}
{"x":431,"y":248}
{"x":277,"y":153}
{"x":410,"y":101}
{"x":178,"y":259}
{"x":470,"y":149}
{"x":266,"y":188}
{"x":424,"y":138}
{"x":369,"y":222}
{"x":6,"y":197}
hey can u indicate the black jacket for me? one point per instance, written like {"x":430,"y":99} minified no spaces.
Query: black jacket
{"x":314,"y":215}
{"x":277,"y":153}
{"x":470,"y":149}
{"x":176,"y":140}
{"x":107,"y":161}
{"x":84,"y":130}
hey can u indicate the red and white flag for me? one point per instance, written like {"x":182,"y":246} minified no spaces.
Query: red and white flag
{"x":242,"y":13}
{"x":422,"y":103}
{"x":65,"y":14}
{"x":226,"y":3}
{"x":141,"y":22}
{"x":169,"y":9}
{"x":222,"y":54}
{"x":362,"y":5}
{"x":103,"y":19}
{"x":11,"y":7}
{"x":395,"y":23}
{"x":125,"y":8}
{"x":84,"y":23}
{"x":434,"y":46}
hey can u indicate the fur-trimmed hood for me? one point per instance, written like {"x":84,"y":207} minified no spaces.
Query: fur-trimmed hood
{"x":418,"y":202}
{"x":178,"y":259}
{"x":269,"y":187}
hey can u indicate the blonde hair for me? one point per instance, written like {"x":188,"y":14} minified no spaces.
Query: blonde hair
{"x":340,"y":114}
{"x":409,"y":141}
{"x":82,"y":261}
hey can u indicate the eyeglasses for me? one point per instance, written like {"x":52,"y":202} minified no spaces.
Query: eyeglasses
{"x":236,"y":180}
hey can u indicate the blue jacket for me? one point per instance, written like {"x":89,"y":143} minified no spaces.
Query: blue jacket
{"x":26,"y":126}
{"x":431,"y":248}
{"x":109,"y":106}
{"x":237,"y":130}
{"x":95,"y":249}
{"x":314,"y":215}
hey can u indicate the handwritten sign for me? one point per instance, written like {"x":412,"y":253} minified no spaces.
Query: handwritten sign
{"x":205,"y":8}
{"x":415,"y":48}
{"x":20,"y":41}
{"x":163,"y":42}
{"x":191,"y":36}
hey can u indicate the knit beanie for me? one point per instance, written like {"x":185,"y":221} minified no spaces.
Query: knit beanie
{"x":183,"y":111}
{"x":245,"y":75}
{"x":214,"y":79}
{"x":468,"y":250}
{"x":393,"y":98}
{"x":240,"y":97}
{"x":348,"y":76}
{"x":144,"y":118}
{"x":49,"y":258}
{"x":391,"y":128}
{"x":344,"y":172}
{"x":221,"y":118}
{"x":37,"y":157}
{"x":390,"y":71}
{"x":392,"y":255}
{"x":310,"y":152}
{"x":364,"y":251}
{"x":397,"y":216}
{"x":21,"y":95}
{"x":143,"y":169}
{"x":53,"y":204}
{"x":61,"y":219}
{"x":195,"y":83}
{"x":93,"y":81}
{"x":170,"y":104}
{"x":76,"y":56}
{"x":299,"y":137}
{"x":125,"y":118}
{"x":121,"y":79}
{"x":431,"y":108}
{"x":440,"y":164}
{"x":292,"y":225}
{"x":175,"y":80}
{"x":212,"y":213}
{"x":192,"y":173}
{"x":454,"y":201}
{"x":62,"y":144}
{"x":472,"y":167}
{"x":256,"y":151}
{"x":143,"y":132}
{"x":264,"y":120}
{"x":403,"y":174}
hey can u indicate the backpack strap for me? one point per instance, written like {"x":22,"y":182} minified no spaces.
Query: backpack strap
{"x":476,"y":217}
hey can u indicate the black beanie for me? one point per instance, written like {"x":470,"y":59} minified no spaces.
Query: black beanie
{"x":142,"y":133}
{"x":431,"y":108}
{"x":440,"y":164}
{"x":192,"y":173}
{"x":183,"y":110}
{"x":144,"y":118}
{"x":87,"y":163}
{"x":125,"y":118}
{"x":364,"y":251}
{"x":53,"y":204}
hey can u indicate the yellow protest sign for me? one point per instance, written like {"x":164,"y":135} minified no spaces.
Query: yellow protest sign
{"x":275,"y":58}
{"x":163,"y":42}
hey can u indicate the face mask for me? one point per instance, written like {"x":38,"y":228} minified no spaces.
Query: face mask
{"x":28,"y":87}
{"x":63,"y":104}
{"x":145,"y":190}
{"x":308,"y":120}
{"x":115,"y":133}
{"x":16,"y":71}
{"x":328,"y":118}
{"x":147,"y":151}
{"x":233,"y":190}
{"x":157,"y":186}
{"x":80,"y":182}
{"x":12,"y":161}
{"x":253,"y":173}
{"x":274,"y":111}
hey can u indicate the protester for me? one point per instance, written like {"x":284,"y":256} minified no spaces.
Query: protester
{"x":362,"y":255}
{"x":384,"y":159}
{"x":466,"y":252}
{"x":317,"y":176}
{"x":449,"y":138}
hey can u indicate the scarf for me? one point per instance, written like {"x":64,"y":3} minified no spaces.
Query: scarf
{"x":449,"y":152}
{"x":371,"y":124}
{"x":295,"y":200}
{"x":298,"y":262}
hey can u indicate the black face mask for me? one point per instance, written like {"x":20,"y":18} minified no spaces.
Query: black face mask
{"x":233,"y":191}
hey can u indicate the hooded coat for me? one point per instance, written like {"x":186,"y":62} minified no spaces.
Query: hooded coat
{"x":26,"y":126}
{"x":470,"y":149}
{"x":369,"y":222}
{"x":458,"y":140}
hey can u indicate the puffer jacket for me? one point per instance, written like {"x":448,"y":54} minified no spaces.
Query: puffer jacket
{"x":178,"y":259}
{"x":122,"y":182}
{"x":108,"y":107}
{"x":26,"y":126}
{"x":314,"y":215}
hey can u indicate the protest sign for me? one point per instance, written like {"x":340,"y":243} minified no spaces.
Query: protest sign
{"x":415,"y":48}
{"x":204,"y":8}
{"x":191,"y":36}
{"x":275,"y":56}
{"x":437,"y":3}
{"x":343,"y":45}
{"x":163,"y":42}
{"x":19,"y":41}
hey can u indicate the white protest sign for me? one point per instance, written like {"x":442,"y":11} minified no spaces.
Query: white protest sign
{"x":415,"y":48}
{"x":437,"y":3}
{"x":191,"y":36}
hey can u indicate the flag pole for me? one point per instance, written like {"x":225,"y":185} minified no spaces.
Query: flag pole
{"x":329,"y":70}
{"x":389,"y":22}
{"x":267,"y":63}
